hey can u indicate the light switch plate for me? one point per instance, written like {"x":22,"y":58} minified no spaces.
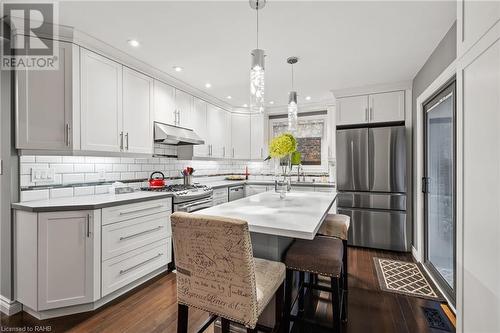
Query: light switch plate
{"x":42,"y":175}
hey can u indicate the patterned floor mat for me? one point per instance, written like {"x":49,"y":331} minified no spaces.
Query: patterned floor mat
{"x":404,"y":278}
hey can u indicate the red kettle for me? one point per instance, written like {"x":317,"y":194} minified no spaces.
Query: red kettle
{"x":158,"y":181}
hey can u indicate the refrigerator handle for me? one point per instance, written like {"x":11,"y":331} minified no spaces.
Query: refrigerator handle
{"x":425,"y":185}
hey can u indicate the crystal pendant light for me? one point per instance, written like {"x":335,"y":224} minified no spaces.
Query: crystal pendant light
{"x":257,"y":67}
{"x":292,"y":101}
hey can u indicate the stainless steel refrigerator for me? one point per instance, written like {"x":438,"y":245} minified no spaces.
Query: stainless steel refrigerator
{"x":371,"y":180}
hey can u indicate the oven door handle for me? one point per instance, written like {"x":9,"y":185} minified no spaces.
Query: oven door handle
{"x":196,"y":203}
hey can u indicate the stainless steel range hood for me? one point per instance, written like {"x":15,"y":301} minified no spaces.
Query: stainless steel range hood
{"x":175,"y":136}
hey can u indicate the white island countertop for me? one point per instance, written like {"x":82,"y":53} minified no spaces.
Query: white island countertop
{"x":299,"y":215}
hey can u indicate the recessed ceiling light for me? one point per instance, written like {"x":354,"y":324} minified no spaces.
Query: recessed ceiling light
{"x":245,"y":105}
{"x":229,"y":97}
{"x":133,"y":42}
{"x":271,"y":102}
{"x":308,"y":98}
{"x":178,"y":68}
{"x":207,"y":85}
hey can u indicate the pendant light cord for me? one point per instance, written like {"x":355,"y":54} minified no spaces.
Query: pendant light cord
{"x":292,"y":76}
{"x":257,"y":10}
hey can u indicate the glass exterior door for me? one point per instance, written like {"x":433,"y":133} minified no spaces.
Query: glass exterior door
{"x":439,"y":188}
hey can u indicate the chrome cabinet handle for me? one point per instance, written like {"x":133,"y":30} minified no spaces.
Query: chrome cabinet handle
{"x":126,"y":141}
{"x":261,"y":152}
{"x":366,"y":114}
{"x":88,"y":225}
{"x":66,"y":132}
{"x":141,"y":233}
{"x":139,"y":210}
{"x":126,"y":270}
{"x":121,"y":140}
{"x":370,"y":114}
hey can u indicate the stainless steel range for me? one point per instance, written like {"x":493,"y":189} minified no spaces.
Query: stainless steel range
{"x":187,"y":198}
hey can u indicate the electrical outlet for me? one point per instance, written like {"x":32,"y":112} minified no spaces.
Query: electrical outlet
{"x":101,"y":174}
{"x":42,"y":175}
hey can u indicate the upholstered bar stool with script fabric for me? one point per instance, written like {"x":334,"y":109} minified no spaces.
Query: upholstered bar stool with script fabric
{"x":337,"y":225}
{"x":322,"y":255}
{"x":217,"y":273}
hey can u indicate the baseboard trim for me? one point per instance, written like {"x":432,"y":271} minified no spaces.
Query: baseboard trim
{"x":415,"y":254}
{"x":9,"y":307}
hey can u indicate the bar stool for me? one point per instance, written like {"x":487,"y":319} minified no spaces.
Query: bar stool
{"x":217,"y":273}
{"x":337,"y":225}
{"x":322,"y":255}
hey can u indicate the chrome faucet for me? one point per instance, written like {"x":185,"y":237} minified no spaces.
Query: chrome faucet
{"x":299,"y":169}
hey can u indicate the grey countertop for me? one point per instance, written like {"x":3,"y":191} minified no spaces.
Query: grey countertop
{"x":88,"y":202}
{"x":107,"y":200}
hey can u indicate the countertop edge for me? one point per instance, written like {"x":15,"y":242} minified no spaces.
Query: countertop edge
{"x":42,"y":209}
{"x":231,"y":183}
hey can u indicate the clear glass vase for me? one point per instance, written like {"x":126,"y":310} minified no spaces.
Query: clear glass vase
{"x":282,"y":184}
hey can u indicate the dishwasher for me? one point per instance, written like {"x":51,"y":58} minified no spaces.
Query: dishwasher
{"x":236,"y":192}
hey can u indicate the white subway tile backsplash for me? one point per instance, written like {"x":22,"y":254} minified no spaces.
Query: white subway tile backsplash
{"x":72,"y":178}
{"x":32,"y":195}
{"x":103,"y":167}
{"x":119,"y":167}
{"x":49,"y":159}
{"x":112,"y":176}
{"x":61,"y":192}
{"x":25,"y":168}
{"x":73,"y":159}
{"x":127,"y":160}
{"x":112,"y":160}
{"x":127,"y":175}
{"x":27,"y":159}
{"x":84,"y":190}
{"x":26,"y":181}
{"x":84,"y":167}
{"x":62,"y":168}
{"x":134,"y":167}
{"x":92,"y":177}
{"x":92,"y":159}
{"x":141,"y":175}
{"x":141,"y":160}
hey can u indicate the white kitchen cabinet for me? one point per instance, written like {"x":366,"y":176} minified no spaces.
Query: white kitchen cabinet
{"x":352,"y":110}
{"x":184,"y":107}
{"x":474,"y":19}
{"x":220,"y":196}
{"x":200,"y":126}
{"x":226,"y":153}
{"x":216,"y":120}
{"x":137,"y":112}
{"x":258,"y":149}
{"x":47,"y":104}
{"x":164,"y":103}
{"x":65,"y":259}
{"x":386,"y":107}
{"x":101,"y":103}
{"x":255,"y":189}
{"x":240,"y":135}
{"x":57,"y":258}
{"x":478,"y":163}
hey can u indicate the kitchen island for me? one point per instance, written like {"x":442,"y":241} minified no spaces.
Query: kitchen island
{"x":275,"y":223}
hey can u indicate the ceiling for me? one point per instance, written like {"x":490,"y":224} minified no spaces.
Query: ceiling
{"x":340,"y":44}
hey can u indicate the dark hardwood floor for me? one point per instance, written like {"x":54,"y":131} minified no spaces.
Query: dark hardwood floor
{"x":153,"y":307}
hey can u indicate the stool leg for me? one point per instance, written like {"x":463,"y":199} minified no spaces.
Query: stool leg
{"x":252,"y":330}
{"x":279,"y":307}
{"x":288,"y":301}
{"x":344,"y":280}
{"x":224,"y":325}
{"x":182,"y":318}
{"x":335,"y":281}
{"x":301,"y":292}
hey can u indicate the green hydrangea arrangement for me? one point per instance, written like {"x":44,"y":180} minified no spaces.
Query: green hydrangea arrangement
{"x":282,"y":145}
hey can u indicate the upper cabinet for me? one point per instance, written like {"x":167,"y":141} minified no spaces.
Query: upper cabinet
{"x":45,"y":104}
{"x":184,"y":107}
{"x":116,"y":106}
{"x":137,"y":112}
{"x":374,"y":108}
{"x":199,"y":122}
{"x":164,"y":103}
{"x":386,"y":107}
{"x":352,"y":110}
{"x":216,"y":122}
{"x":240,"y":135}
{"x":474,"y":19}
{"x":258,"y":149}
{"x":101,"y":103}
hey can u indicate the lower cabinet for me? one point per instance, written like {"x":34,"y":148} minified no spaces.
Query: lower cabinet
{"x":255,"y":189}
{"x":55,"y":264}
{"x":220,"y":196}
{"x":71,"y":258}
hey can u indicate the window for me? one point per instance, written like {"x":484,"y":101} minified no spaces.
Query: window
{"x":311,"y":139}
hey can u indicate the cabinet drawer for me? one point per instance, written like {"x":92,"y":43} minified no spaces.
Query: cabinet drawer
{"x":127,"y":268}
{"x":130,"y":211}
{"x":219,"y":201}
{"x":220,"y":192}
{"x":121,"y":237}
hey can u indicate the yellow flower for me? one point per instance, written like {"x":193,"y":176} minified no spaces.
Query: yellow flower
{"x":282,"y":145}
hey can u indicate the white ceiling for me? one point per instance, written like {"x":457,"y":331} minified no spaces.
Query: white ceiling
{"x":340,"y":44}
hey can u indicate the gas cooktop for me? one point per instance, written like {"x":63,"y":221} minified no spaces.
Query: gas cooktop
{"x":182,"y":192}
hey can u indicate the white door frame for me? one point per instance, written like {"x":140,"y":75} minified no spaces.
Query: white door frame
{"x":444,"y":77}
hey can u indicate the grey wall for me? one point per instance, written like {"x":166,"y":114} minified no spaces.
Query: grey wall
{"x":442,"y":56}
